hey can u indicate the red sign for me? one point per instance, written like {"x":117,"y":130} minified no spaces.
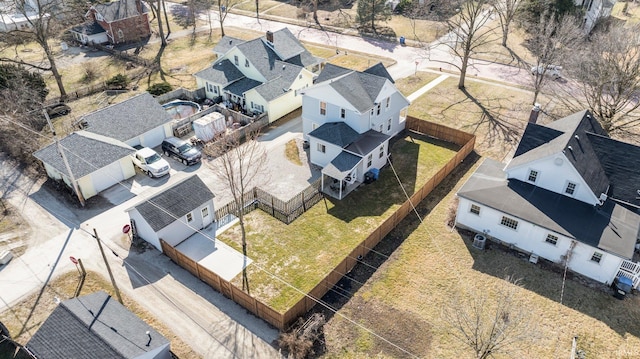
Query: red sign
{"x":73,"y":260}
{"x":126,"y":228}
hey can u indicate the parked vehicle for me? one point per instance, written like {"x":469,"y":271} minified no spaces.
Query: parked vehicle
{"x":621,"y":287}
{"x":182,"y":150}
{"x":552,"y":71}
{"x":150,"y":162}
{"x":58,"y":109}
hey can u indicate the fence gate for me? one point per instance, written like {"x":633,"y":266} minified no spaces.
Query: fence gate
{"x":630,"y":270}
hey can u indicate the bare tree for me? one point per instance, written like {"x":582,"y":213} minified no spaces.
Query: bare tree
{"x":608,"y":72}
{"x":157,"y":9}
{"x":492,"y":323}
{"x":224,"y":6}
{"x":241,"y":166}
{"x":468,"y":31}
{"x":549,"y":42}
{"x":506,"y":11}
{"x":44,"y":21}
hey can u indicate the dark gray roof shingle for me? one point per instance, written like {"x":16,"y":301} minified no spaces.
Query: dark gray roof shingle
{"x":226,"y":43}
{"x":86,"y":153}
{"x":337,"y":133}
{"x":94,"y":326}
{"x":331,"y":71}
{"x":341,"y":165}
{"x":118,"y":10}
{"x":128,"y":119}
{"x":285,"y":44}
{"x":379,"y":70}
{"x":175,"y":202}
{"x":89,"y":28}
{"x":611,"y":227}
{"x":241,"y":86}
{"x":281,"y":84}
{"x":367,"y":142}
{"x":223,"y":72}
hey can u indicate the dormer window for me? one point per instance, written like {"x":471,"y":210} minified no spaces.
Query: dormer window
{"x":570,"y":189}
{"x":533,"y":176}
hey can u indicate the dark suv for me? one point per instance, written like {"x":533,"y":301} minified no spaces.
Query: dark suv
{"x":182,"y":150}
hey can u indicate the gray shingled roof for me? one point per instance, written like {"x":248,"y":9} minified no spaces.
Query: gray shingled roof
{"x":241,"y":86}
{"x":285,"y":44}
{"x":175,"y":202}
{"x":537,"y":143}
{"x":611,"y":227}
{"x":223,"y":73}
{"x":305,"y":59}
{"x":128,"y":119}
{"x":341,"y":165}
{"x":337,"y":133}
{"x":93,"y":326}
{"x":281,"y":84}
{"x":379,"y":70}
{"x":227,"y":43}
{"x":367,"y":142}
{"x":118,"y":10}
{"x":331,"y":71}
{"x":89,"y":28}
{"x":86,"y":153}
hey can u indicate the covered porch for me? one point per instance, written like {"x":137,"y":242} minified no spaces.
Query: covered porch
{"x":340,"y":177}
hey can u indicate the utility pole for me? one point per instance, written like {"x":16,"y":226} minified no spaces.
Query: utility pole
{"x":113,"y":281}
{"x":72,"y":178}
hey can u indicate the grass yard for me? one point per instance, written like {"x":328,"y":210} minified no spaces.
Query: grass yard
{"x":63,"y":288}
{"x":263,"y":5}
{"x":409,"y":85}
{"x":496,"y":114}
{"x":305,"y":251}
{"x":514,"y":54}
{"x":403,"y":301}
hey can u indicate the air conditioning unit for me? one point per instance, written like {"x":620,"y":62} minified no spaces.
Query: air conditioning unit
{"x":533,"y":258}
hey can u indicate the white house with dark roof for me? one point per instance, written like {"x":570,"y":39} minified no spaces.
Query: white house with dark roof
{"x":260,"y":75}
{"x":570,"y":194}
{"x":97,"y":162}
{"x":99,"y":327}
{"x":348,"y":118}
{"x":140,"y":120}
{"x":174,"y":214}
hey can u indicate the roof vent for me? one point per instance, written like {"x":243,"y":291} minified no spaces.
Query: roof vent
{"x":577,"y":137}
{"x":283,"y":66}
{"x":230,"y":42}
{"x":570,"y":148}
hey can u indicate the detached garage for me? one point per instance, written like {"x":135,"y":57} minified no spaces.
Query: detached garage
{"x":96,"y":162}
{"x":140,"y":120}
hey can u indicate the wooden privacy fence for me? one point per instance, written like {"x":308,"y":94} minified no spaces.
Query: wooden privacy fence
{"x":283,"y":320}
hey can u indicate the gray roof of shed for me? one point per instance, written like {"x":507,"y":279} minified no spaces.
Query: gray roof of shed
{"x":569,"y":132}
{"x":610,"y":227}
{"x":86,"y":153}
{"x":337,"y":133}
{"x":175,"y":202}
{"x":223,"y":72}
{"x":341,"y":165}
{"x":128,"y":119}
{"x":93,"y":326}
{"x":118,"y":10}
{"x":367,"y":142}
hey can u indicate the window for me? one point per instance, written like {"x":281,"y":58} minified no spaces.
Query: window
{"x":314,"y":126}
{"x":323,"y":108}
{"x":381,"y":152}
{"x":369,"y":160}
{"x":235,"y":59}
{"x":189,"y":217}
{"x":509,"y":222}
{"x":551,"y":239}
{"x":571,"y":188}
{"x":475,"y":209}
{"x":378,"y":109}
{"x":251,"y":104}
{"x":388,"y":125}
{"x":533,"y":175}
{"x":388,"y":101}
{"x":215,"y":90}
{"x":343,"y":113}
{"x":371,"y":112}
{"x":120,"y":34}
{"x":246,"y":62}
{"x":380,"y":129}
{"x":321,"y":148}
{"x":596,"y":257}
{"x":205,"y":212}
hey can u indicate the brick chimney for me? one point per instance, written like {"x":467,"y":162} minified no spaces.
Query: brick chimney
{"x":270,"y":37}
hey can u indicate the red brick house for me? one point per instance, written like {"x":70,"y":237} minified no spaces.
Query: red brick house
{"x":123,"y":21}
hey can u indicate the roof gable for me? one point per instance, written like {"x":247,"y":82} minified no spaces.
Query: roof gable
{"x":94,"y":326}
{"x":337,"y":133}
{"x":379,"y":70}
{"x":227,"y":43}
{"x":86,"y":153}
{"x":175,"y":202}
{"x":221,"y":72}
{"x":127,"y":119}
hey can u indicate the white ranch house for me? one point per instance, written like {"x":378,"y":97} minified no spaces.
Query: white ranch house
{"x":570,"y":195}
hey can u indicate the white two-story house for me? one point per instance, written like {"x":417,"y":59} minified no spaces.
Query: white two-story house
{"x":260,"y":75}
{"x":348,"y":118}
{"x":570,"y":195}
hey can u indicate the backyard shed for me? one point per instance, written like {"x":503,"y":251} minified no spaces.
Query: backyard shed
{"x":208,"y":127}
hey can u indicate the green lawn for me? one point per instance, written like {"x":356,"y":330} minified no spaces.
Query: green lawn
{"x":305,"y":251}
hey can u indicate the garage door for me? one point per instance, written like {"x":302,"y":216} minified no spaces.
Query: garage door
{"x":152,"y":138}
{"x":107,"y":176}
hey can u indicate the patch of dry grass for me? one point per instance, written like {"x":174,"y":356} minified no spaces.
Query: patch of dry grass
{"x":291,"y":152}
{"x":424,"y":31}
{"x":409,"y":85}
{"x":63,"y":288}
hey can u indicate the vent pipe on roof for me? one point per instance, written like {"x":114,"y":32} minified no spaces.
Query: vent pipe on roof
{"x":577,"y":137}
{"x":570,"y":148}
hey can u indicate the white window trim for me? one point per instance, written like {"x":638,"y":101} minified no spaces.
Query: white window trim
{"x":471,"y":209}
{"x":549,"y":243}
{"x":529,"y":175}
{"x":513,"y":219}
{"x":575,"y":189}
{"x":594,"y":253}
{"x":190,"y":214}
{"x":321,"y":148}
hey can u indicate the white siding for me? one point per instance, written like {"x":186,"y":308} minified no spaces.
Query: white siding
{"x":144,"y":229}
{"x":162,"y":352}
{"x":554,"y":172}
{"x":180,"y":230}
{"x":531,"y":238}
{"x":319,"y":158}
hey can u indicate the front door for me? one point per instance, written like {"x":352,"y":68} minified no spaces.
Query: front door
{"x":206,"y":216}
